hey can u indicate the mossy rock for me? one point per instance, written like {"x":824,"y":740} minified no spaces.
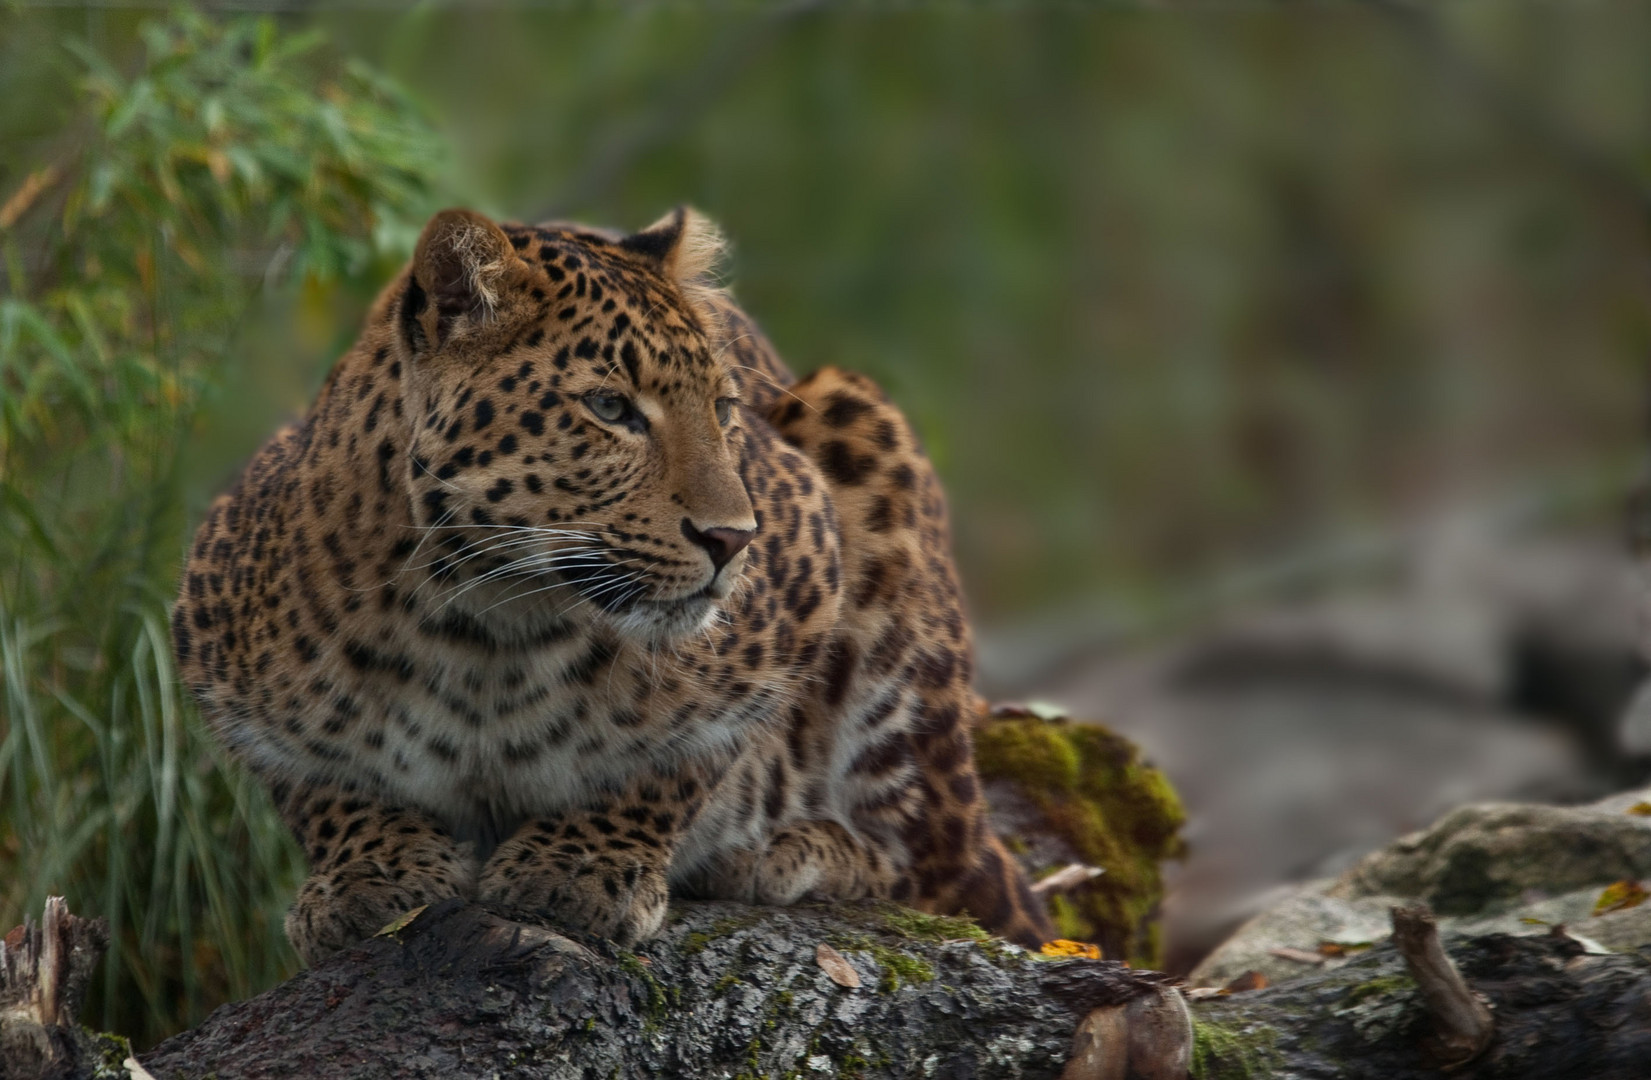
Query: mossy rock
{"x":1064,"y":791}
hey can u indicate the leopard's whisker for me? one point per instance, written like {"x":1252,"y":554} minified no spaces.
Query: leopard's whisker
{"x":529,"y":565}
{"x":531,"y":592}
{"x":776,"y":384}
{"x":533,"y":565}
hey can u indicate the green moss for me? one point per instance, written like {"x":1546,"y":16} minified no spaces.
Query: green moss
{"x":1029,"y":751}
{"x":1221,"y":1052}
{"x":898,"y":968}
{"x":920,"y":926}
{"x":725,"y":984}
{"x":108,"y":1055}
{"x":852,"y":1066}
{"x":1114,"y":810}
{"x":696,"y":942}
{"x":780,"y":1004}
{"x":1384,"y":986}
{"x":1070,"y":922}
{"x":657,"y":1004}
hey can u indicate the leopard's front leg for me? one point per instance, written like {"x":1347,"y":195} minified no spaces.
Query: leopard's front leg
{"x":369,"y":863}
{"x":600,"y":869}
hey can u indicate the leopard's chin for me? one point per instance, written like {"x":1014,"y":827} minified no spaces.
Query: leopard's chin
{"x":661,"y":622}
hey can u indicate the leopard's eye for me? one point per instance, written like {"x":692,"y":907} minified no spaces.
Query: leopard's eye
{"x":613,"y":408}
{"x":725,"y":410}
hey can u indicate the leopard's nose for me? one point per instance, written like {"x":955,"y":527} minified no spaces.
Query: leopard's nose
{"x":719,"y":543}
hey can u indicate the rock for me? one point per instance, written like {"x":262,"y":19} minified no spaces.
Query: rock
{"x":1481,"y":855}
{"x":1485,"y":868}
{"x":1306,"y":726}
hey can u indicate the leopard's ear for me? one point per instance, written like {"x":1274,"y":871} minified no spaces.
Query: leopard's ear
{"x":461,"y":269}
{"x":686,"y":246}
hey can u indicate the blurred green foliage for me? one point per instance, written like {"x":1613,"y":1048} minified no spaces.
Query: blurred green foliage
{"x":225,"y":156}
{"x":1170,"y":293}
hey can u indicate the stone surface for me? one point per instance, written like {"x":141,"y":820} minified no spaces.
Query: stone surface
{"x":1483,"y":855}
{"x":1486,"y":868}
{"x":1305,"y":728}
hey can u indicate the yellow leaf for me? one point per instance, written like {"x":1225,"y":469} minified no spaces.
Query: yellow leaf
{"x":1640,"y":809}
{"x":401,"y":922}
{"x":1620,"y":896}
{"x":1063,"y":947}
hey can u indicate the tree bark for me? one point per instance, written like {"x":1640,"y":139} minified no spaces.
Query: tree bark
{"x":1559,"y":1013}
{"x":739,"y":992}
{"x":725,"y":991}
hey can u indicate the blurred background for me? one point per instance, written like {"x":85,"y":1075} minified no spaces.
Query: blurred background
{"x":1286,"y":368}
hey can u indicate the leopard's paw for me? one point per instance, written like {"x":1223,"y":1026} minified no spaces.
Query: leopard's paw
{"x":819,"y":860}
{"x":355,"y":901}
{"x":617,"y":894}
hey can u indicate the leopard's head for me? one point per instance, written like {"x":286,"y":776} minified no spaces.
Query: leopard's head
{"x":573,"y":442}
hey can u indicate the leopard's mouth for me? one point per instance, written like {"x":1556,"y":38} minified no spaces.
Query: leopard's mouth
{"x":661,"y":621}
{"x":635,"y":610}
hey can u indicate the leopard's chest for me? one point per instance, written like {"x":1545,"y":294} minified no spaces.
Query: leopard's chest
{"x":484,"y":739}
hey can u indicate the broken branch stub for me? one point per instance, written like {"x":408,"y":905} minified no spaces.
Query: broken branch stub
{"x":1462,"y":1023}
{"x":44,"y":972}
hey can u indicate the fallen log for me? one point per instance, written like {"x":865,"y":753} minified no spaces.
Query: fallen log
{"x":868,"y":991}
{"x":1403,"y":1011}
{"x":725,"y":991}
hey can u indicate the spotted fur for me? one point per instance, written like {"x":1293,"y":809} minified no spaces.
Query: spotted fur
{"x":566,"y":596}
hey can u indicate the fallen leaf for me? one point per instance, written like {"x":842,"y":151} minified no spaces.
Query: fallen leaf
{"x":1342,"y":948}
{"x":1203,"y":993}
{"x":1641,"y":809}
{"x":401,"y":922}
{"x":1250,"y":980}
{"x":1063,"y":947}
{"x":1620,"y":896}
{"x":833,"y":964}
{"x":1528,"y":921}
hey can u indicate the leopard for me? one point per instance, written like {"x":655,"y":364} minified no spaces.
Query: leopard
{"x":566,"y":597}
